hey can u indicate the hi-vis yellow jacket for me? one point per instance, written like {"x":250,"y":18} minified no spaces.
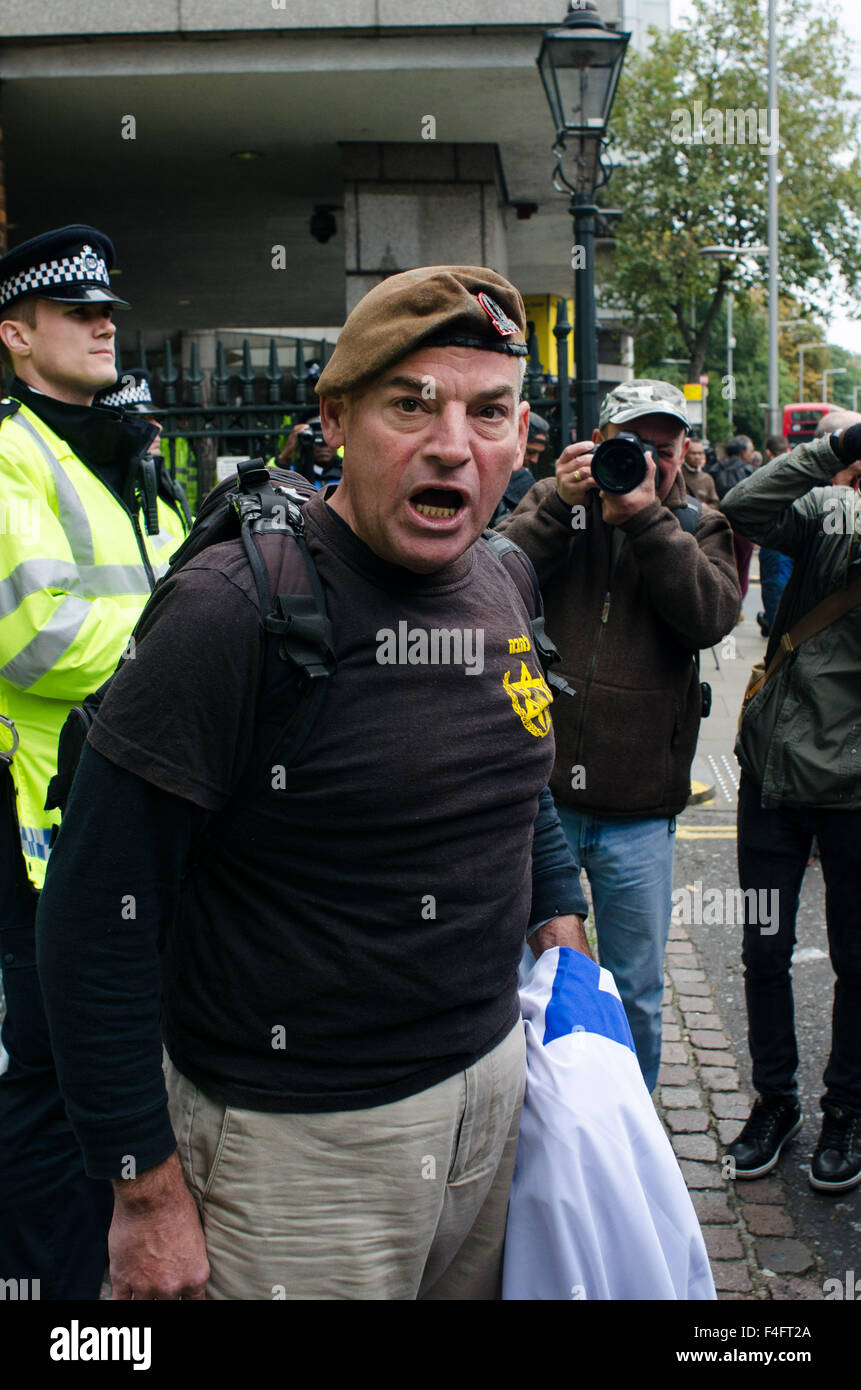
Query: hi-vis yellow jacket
{"x":75,"y":572}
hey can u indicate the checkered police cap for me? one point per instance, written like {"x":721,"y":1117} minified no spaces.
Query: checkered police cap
{"x":132,"y":392}
{"x":69,"y":265}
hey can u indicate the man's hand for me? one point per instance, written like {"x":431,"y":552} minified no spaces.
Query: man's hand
{"x":291,"y":446}
{"x":619,"y":507}
{"x":560,"y":931}
{"x":573,"y":475}
{"x":156,"y":1243}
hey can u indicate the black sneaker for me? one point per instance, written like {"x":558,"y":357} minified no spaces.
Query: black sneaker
{"x":763,"y":624}
{"x":770,"y":1125}
{"x":836,"y":1162}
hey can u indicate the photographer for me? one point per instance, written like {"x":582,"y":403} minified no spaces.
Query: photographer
{"x":799,"y":750}
{"x":307,"y":451}
{"x":634,"y":584}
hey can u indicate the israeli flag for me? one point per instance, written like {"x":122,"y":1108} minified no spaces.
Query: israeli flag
{"x":599,"y":1208}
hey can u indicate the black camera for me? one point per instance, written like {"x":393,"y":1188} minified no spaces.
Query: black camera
{"x":619,"y":464}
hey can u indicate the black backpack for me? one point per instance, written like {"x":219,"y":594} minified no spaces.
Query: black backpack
{"x":298,"y":657}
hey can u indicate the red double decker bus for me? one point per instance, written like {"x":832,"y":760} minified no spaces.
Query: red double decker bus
{"x":801,"y":418}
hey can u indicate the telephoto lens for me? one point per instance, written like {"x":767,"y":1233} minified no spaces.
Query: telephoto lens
{"x":619,"y":464}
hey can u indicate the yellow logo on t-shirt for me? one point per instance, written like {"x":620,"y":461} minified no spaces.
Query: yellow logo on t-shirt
{"x":530,"y":697}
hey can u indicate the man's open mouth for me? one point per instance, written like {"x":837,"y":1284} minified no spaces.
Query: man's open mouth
{"x":437,"y":502}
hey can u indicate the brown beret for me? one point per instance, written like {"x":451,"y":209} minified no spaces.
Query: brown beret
{"x":437,"y":305}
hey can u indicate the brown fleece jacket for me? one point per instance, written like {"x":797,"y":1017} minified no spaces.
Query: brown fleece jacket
{"x":626,"y":738}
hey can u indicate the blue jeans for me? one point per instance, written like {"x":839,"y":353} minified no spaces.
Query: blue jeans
{"x":629,"y":864}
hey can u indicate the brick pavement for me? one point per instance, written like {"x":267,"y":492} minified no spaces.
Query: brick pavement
{"x":747,"y":1227}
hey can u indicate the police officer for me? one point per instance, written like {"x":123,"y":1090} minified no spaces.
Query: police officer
{"x":133,"y":394}
{"x":84,"y":535}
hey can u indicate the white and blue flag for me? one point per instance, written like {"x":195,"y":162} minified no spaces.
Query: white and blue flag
{"x":599,"y":1208}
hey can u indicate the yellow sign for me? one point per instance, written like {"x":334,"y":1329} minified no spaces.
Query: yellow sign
{"x":541,"y":310}
{"x":693,"y":391}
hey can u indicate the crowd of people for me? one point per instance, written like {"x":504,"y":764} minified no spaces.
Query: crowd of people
{"x":262,"y":1022}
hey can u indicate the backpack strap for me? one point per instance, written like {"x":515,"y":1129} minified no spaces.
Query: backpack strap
{"x":688,"y":514}
{"x":299,"y":652}
{"x":520,"y":568}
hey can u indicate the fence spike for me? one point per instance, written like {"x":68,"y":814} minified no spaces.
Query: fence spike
{"x":221,"y":376}
{"x":169,"y":375}
{"x":246,"y":373}
{"x":273,"y":373}
{"x":300,"y":374}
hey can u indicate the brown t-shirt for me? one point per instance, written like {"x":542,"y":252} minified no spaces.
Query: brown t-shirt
{"x":351,"y":923}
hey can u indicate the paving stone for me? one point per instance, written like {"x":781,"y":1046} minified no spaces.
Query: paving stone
{"x":731,"y":1275}
{"x":676,"y":1076}
{"x":707,"y":1058}
{"x":792,"y":1288}
{"x":686,"y":977}
{"x":784,"y":1256}
{"x":705,"y":1175}
{"x":760,"y":1189}
{"x":674,"y":1053}
{"x":728,"y":1130}
{"x":765,"y":1220}
{"x":687,"y":1121}
{"x":722,"y":1243}
{"x":695,"y":992}
{"x":730,"y":1105}
{"x":677,"y":932}
{"x":668,"y":1013}
{"x":675,"y":947}
{"x":700,"y":1146}
{"x":680,"y":1098}
{"x":667,"y":996}
{"x":720,"y":1078}
{"x":708,"y":1037}
{"x":712,"y":1208}
{"x":724,"y":1297}
{"x":670,"y":1033}
{"x":695,"y":1019}
{"x":695,"y":1003}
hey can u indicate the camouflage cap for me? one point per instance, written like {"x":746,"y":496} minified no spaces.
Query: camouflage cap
{"x":631,"y":399}
{"x":433,"y":306}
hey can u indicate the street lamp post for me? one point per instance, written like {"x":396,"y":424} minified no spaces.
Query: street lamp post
{"x":731,"y":253}
{"x":580,"y":63}
{"x":802,"y":348}
{"x":830,"y":371}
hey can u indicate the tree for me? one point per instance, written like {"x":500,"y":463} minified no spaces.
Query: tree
{"x":691,"y":128}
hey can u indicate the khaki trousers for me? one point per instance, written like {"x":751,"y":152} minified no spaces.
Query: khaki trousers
{"x":401,"y":1201}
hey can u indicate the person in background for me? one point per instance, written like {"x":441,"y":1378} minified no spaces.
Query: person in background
{"x":738,"y":464}
{"x":631,"y":594}
{"x":798,"y":747}
{"x":133,"y":395}
{"x":697,"y":481}
{"x":85,"y":536}
{"x":522,"y":479}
